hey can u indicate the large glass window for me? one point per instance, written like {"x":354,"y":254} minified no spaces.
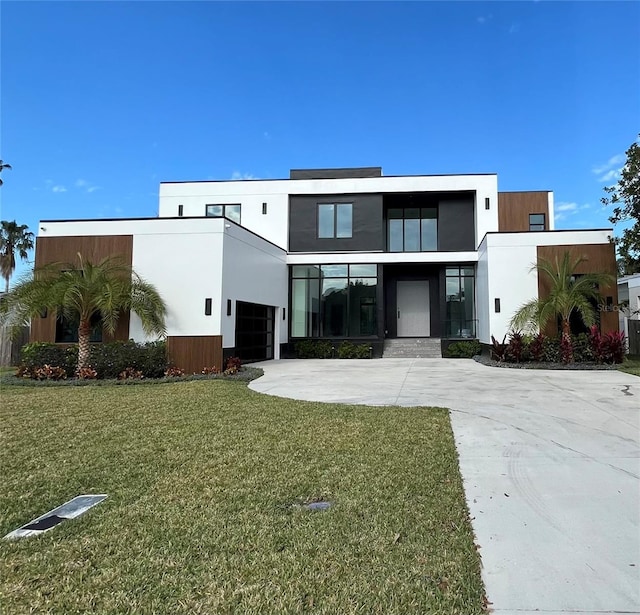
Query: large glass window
{"x":231,"y":211}
{"x":412,"y":229}
{"x":333,"y":300}
{"x":335,"y":220}
{"x":460,"y":302}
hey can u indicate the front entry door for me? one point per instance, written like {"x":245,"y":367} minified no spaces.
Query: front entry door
{"x":413,"y":308}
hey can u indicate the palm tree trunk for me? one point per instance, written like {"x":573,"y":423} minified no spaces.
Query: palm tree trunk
{"x":566,"y":338}
{"x":84,"y":347}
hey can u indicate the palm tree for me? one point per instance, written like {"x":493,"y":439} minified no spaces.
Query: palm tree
{"x":13,"y":238}
{"x":3,"y":166}
{"x":568,"y":292}
{"x":82,"y":292}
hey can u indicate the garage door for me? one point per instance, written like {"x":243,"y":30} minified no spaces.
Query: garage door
{"x":254,"y":331}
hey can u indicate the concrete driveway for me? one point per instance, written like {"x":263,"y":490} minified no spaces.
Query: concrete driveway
{"x":550,"y":462}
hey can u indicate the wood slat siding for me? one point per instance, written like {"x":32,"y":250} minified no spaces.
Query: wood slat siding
{"x":193,"y":352}
{"x":514,"y":209}
{"x":600,"y":258}
{"x":65,"y":250}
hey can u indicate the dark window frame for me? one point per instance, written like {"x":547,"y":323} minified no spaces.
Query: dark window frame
{"x":334,"y":234}
{"x":349,"y":276}
{"x":537,"y":226}
{"x":403,"y":218}
{"x":224,"y":211}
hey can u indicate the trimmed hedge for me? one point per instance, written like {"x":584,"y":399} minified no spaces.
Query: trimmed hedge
{"x":325,"y":349}
{"x":108,"y":360}
{"x":464,"y":350}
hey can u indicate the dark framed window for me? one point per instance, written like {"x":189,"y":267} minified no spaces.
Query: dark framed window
{"x":335,"y":220}
{"x":67,"y":330}
{"x":231,"y":211}
{"x":460,"y":301}
{"x":333,"y":300}
{"x":537,"y":222}
{"x":412,"y":229}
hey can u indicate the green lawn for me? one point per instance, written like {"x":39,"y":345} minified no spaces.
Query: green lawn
{"x":204,"y":482}
{"x":631,"y":365}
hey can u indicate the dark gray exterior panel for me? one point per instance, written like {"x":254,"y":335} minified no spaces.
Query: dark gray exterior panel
{"x":368,"y":224}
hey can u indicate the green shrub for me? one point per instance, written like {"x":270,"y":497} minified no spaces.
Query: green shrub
{"x":464,"y":350}
{"x":108,"y":360}
{"x":111,"y":359}
{"x":348,"y":350}
{"x":314,"y":349}
{"x":551,"y":350}
{"x":39,"y":354}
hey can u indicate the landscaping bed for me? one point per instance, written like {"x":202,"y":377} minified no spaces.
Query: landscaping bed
{"x":207,"y":483}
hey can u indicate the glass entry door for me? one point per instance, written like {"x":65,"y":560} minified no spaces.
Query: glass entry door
{"x":412,"y":302}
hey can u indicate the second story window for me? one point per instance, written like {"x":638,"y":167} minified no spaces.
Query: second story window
{"x":229,"y":211}
{"x":412,"y":229}
{"x":537,"y":222}
{"x":335,"y":220}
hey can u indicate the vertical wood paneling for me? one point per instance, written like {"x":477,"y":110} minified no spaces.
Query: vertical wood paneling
{"x":65,"y":250}
{"x":193,"y":352}
{"x":514,"y":209}
{"x":599,"y":258}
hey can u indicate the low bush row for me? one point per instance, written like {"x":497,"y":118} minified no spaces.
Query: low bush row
{"x":323,"y":349}
{"x":111,"y":361}
{"x":592,"y":347}
{"x":464,"y":350}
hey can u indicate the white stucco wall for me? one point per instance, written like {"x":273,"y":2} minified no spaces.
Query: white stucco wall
{"x":253,"y":271}
{"x":192,"y":259}
{"x":508,"y":258}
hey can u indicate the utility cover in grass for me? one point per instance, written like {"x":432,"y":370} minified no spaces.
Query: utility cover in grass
{"x":69,"y":510}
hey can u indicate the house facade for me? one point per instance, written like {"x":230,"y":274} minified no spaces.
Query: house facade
{"x":253,"y":266}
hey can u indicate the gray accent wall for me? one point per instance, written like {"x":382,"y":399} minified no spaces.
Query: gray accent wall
{"x":368,"y":224}
{"x":456,"y":225}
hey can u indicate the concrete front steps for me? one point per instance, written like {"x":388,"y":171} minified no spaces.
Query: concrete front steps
{"x":412,"y":348}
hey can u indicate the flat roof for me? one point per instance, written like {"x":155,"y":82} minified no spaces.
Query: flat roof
{"x":286,"y":179}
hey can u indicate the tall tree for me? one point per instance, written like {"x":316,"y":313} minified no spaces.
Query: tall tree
{"x":14,"y":239}
{"x":84,"y":292}
{"x":3,"y":166}
{"x":568,"y":292}
{"x":625,"y":199}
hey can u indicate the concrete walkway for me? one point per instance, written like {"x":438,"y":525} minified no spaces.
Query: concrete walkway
{"x":550,"y":462}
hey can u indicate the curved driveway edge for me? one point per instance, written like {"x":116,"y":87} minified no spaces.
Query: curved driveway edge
{"x":550,"y":462}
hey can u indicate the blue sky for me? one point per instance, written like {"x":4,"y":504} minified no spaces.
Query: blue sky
{"x":101,"y":101}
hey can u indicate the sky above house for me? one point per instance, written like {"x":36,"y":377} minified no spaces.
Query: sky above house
{"x":101,"y":101}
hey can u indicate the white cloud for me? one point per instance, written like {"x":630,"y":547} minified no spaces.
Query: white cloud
{"x":58,"y":188}
{"x":566,"y":209}
{"x":610,"y":170}
{"x":236,"y":175}
{"x":88,"y":186}
{"x":482,"y":19}
{"x":266,"y":135}
{"x":514,"y":27}
{"x":566,"y":206}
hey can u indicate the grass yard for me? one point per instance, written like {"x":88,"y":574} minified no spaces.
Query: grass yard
{"x":631,"y":365}
{"x":204,"y":479}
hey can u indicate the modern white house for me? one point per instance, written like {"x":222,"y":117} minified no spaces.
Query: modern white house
{"x":253,"y":266}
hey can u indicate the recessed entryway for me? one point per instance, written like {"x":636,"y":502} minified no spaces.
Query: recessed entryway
{"x":412,"y":311}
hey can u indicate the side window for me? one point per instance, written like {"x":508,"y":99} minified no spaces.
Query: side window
{"x":335,"y":220}
{"x":231,"y":211}
{"x":537,"y":222}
